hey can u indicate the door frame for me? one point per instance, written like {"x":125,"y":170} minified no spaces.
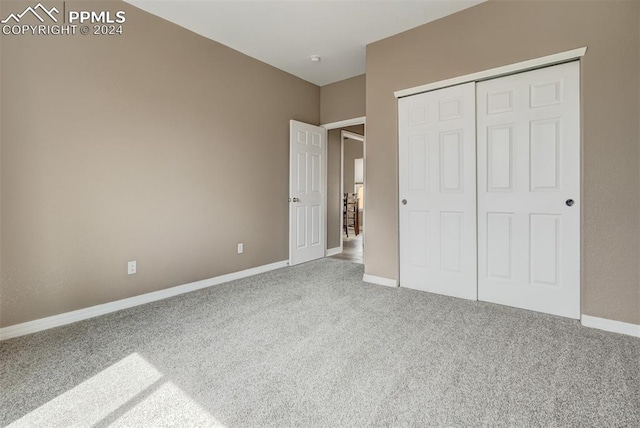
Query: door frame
{"x":344,"y":135}
{"x":337,"y":125}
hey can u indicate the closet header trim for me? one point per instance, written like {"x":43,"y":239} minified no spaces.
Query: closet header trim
{"x":544,"y":61}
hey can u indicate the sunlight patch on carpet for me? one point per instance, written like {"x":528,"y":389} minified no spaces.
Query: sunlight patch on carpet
{"x":131,"y":392}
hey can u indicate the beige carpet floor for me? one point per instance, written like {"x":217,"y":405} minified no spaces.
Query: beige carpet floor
{"x":313,"y":345}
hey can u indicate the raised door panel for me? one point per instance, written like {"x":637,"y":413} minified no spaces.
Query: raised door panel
{"x":545,"y":140}
{"x":499,"y":245}
{"x":301,"y":216}
{"x":418,"y":164}
{"x":301,"y":173}
{"x":500,"y":158}
{"x":418,"y":246}
{"x":451,"y":161}
{"x":451,"y":241}
{"x":316,"y":225}
{"x":544,"y":252}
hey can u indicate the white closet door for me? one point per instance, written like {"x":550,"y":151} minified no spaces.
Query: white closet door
{"x":529,"y":190}
{"x":437,"y":176}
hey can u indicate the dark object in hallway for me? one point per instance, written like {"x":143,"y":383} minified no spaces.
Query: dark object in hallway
{"x":351,"y":216}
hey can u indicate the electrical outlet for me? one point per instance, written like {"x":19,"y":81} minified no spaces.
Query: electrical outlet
{"x":132,"y":267}
{"x":240,"y":248}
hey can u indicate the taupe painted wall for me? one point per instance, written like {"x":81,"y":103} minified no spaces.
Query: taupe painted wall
{"x":352,"y":151}
{"x":158,"y":146}
{"x":334,"y":194}
{"x":343,"y":100}
{"x":498,"y":33}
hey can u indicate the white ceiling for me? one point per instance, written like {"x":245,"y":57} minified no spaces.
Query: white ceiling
{"x":285,"y":34}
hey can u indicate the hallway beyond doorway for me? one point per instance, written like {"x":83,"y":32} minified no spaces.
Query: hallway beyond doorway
{"x":352,"y":250}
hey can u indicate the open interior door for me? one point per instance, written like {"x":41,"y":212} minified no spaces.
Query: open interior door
{"x":307,"y":192}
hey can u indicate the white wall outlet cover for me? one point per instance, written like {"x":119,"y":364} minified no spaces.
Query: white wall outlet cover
{"x":132,"y":267}
{"x":240,"y":248}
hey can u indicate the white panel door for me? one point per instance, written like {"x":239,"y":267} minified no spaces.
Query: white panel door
{"x":437,"y":176}
{"x":529,"y":190}
{"x":307,"y":190}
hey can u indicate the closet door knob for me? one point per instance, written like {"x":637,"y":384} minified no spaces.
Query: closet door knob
{"x":569,"y":202}
{"x":404,"y":202}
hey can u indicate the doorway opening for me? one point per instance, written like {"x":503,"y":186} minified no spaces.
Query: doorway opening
{"x":346,"y":190}
{"x":352,"y":185}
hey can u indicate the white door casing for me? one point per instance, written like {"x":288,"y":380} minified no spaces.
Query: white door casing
{"x":528,"y":170}
{"x":344,"y":136}
{"x":437,"y":179}
{"x":307,"y":192}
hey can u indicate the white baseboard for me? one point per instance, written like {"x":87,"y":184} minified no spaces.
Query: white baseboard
{"x":94,"y":311}
{"x":372,"y":279}
{"x":610,"y":325}
{"x":333,"y":251}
